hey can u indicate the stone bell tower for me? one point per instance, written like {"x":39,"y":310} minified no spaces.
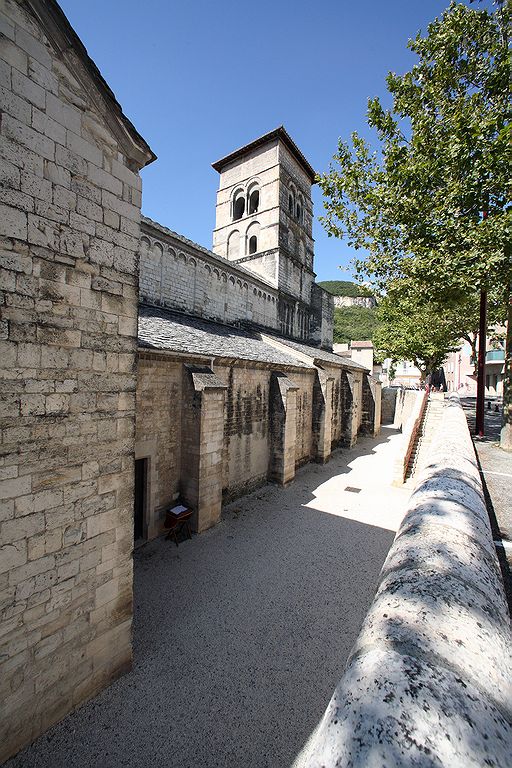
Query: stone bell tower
{"x":264,"y":219}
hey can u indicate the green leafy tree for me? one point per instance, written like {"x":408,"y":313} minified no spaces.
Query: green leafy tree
{"x":423,"y":336}
{"x":414,"y":328}
{"x":417,"y":204}
{"x":354,"y":324}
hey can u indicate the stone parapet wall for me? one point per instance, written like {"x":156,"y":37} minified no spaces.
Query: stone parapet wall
{"x":69,"y":227}
{"x":429,"y":680}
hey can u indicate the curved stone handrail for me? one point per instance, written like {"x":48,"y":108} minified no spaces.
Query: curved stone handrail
{"x":428,"y":682}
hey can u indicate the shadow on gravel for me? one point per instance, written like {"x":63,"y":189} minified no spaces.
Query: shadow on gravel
{"x":240,"y":636}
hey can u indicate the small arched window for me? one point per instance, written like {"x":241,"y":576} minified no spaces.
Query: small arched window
{"x":238,"y":207}
{"x":299,"y":212}
{"x":254,"y":201}
{"x":253,"y":244}
{"x":290,"y":203}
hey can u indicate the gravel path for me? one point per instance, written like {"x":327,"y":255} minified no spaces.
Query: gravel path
{"x":241,"y":634}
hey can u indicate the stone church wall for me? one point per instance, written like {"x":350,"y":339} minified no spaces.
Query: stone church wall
{"x":246,"y":438}
{"x":158,"y":433}
{"x":69,"y":226}
{"x":304,"y":434}
{"x":177,"y":274}
{"x":266,"y":423}
{"x":162,"y":407}
{"x":346,"y":405}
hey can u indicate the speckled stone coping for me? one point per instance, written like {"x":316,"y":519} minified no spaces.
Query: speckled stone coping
{"x":429,"y":680}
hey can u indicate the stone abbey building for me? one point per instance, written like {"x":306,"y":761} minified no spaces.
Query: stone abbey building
{"x":137,"y":367}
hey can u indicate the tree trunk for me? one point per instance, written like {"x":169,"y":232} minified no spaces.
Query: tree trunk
{"x":506,"y":430}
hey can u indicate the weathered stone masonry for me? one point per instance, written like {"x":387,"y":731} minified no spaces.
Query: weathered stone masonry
{"x":207,"y":409}
{"x":272,"y":405}
{"x":69,"y":223}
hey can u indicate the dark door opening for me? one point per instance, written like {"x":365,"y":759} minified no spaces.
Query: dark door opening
{"x":139,"y":506}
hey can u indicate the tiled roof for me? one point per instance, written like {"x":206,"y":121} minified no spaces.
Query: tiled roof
{"x":175,"y":332}
{"x":318,"y":354}
{"x":277,"y":133}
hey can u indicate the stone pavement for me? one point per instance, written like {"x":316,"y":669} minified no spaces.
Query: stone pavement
{"x":496,"y":469}
{"x":241,"y":634}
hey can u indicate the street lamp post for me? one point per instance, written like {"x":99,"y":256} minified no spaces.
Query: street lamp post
{"x":480,"y":385}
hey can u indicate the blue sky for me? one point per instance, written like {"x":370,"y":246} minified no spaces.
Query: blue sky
{"x":199,"y":79}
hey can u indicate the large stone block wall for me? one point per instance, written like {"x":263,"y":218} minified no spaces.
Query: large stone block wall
{"x":69,"y":227}
{"x":295,"y":279}
{"x":177,"y":275}
{"x":296,"y":234}
{"x":264,"y":264}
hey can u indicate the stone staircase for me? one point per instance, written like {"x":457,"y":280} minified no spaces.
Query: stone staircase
{"x":426,"y":432}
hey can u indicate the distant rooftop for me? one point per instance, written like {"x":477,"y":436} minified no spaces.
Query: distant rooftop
{"x":315,"y":353}
{"x":278,"y":133}
{"x":361,"y":345}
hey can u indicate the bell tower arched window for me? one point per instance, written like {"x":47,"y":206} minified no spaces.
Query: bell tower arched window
{"x":252,"y":237}
{"x":238,"y":207}
{"x":254,"y":201}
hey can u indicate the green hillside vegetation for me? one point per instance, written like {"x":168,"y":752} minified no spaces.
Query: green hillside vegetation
{"x":345,"y":288}
{"x":354,"y":324}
